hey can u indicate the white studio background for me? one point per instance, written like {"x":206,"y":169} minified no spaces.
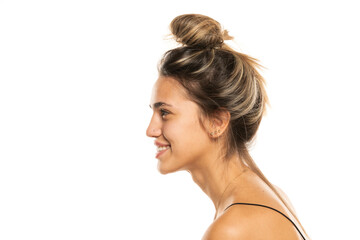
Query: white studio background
{"x":75,"y":84}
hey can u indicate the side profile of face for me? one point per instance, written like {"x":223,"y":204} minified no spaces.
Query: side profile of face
{"x":175,"y":122}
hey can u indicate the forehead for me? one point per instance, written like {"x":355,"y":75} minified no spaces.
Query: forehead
{"x":168,"y":90}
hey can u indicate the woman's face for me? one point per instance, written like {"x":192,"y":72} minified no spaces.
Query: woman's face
{"x":175,"y":123}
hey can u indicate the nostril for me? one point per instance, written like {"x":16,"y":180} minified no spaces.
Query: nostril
{"x":153,"y":132}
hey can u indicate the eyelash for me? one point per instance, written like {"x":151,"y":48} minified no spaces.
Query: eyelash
{"x":163,"y":112}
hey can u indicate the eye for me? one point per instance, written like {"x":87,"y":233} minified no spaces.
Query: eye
{"x":163,"y":112}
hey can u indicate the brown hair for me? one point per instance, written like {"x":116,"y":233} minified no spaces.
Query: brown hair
{"x":217,"y":77}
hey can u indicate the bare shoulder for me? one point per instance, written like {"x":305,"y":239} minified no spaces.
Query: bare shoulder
{"x":251,"y":222}
{"x":285,"y":197}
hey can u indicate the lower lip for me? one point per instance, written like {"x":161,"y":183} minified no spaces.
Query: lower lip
{"x":160,"y":153}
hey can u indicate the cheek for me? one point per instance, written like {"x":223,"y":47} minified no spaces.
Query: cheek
{"x":185,"y":137}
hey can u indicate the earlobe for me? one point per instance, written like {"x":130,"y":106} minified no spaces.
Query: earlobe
{"x":220,"y":120}
{"x":214,"y":133}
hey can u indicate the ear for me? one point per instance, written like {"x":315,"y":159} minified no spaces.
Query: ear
{"x":219,"y":121}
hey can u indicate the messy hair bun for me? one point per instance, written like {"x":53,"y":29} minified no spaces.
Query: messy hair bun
{"x":195,"y":30}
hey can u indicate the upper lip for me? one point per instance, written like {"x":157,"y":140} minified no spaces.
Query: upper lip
{"x":159,"y":144}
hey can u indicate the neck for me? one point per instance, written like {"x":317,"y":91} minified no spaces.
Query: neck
{"x":216,"y":177}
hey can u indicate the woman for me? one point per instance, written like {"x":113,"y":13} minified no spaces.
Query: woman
{"x":208,"y":103}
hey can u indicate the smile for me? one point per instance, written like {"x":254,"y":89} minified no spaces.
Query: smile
{"x":161,"y":150}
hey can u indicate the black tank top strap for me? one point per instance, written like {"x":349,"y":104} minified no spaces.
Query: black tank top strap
{"x":259,"y":205}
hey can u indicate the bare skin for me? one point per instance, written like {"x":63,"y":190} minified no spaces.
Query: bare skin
{"x":194,"y":149}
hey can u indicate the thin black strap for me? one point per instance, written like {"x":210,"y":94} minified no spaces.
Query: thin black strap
{"x":259,"y":205}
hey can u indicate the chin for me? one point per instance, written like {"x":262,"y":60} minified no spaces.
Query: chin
{"x":163,"y":169}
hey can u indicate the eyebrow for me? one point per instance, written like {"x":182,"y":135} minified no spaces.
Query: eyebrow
{"x":159,"y":104}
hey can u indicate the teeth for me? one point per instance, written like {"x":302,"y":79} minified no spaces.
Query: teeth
{"x":159,"y":149}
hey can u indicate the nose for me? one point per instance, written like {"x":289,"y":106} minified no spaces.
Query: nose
{"x":154,"y":128}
